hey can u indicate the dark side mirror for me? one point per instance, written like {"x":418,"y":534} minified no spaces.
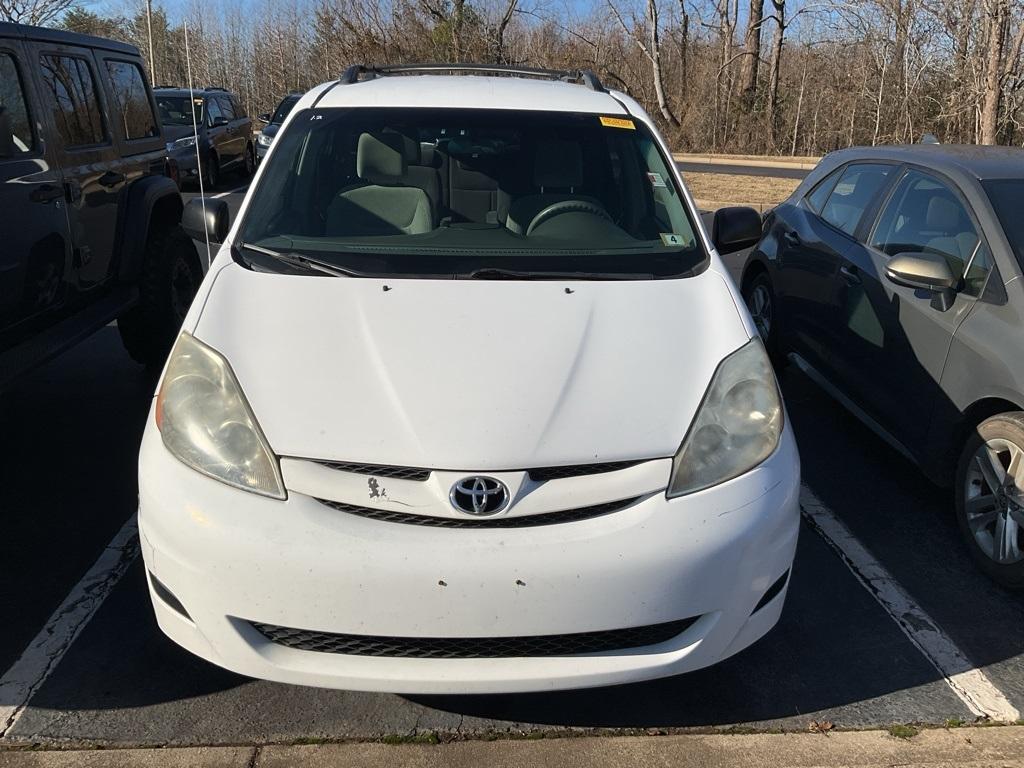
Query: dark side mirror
{"x":264,"y":118}
{"x":219,"y":121}
{"x":214,"y":220}
{"x":735,"y":228}
{"x":926,"y":272}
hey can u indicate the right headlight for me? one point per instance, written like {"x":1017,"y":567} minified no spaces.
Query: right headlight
{"x":206,"y":423}
{"x":184,"y":141}
{"x":264,"y":140}
{"x":738,"y":425}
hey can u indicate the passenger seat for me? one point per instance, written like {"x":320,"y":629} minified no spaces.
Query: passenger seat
{"x":383,"y":203}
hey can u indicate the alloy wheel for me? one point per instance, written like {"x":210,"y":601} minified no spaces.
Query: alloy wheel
{"x":994,"y":500}
{"x":759,"y":302}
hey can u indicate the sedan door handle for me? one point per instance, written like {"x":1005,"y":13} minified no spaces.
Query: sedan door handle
{"x":850,"y":274}
{"x":111,"y":179}
{"x":792,"y":238}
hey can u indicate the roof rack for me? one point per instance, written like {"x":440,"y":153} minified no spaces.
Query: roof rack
{"x":215,"y":88}
{"x":370,"y":71}
{"x":167,"y":85}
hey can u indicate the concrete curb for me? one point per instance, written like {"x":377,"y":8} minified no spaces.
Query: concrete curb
{"x":803,"y":163}
{"x":965,"y":747}
{"x":714,"y":205}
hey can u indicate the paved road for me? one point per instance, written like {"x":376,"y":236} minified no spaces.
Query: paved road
{"x":743,"y":170}
{"x":69,"y":485}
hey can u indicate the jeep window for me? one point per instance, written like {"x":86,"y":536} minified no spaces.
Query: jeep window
{"x":174,"y":110}
{"x":76,"y":110}
{"x":15,"y":126}
{"x":133,"y":112}
{"x":423,"y":192}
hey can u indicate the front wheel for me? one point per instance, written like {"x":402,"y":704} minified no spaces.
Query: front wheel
{"x":171,"y":275}
{"x":211,"y":173}
{"x":990,"y":498}
{"x":760,"y":300}
{"x":250,"y":163}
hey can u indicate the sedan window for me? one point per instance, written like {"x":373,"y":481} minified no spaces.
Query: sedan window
{"x":853,"y":193}
{"x":925,"y":216}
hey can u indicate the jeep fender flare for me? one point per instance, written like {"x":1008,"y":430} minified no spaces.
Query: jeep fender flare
{"x":153,"y":201}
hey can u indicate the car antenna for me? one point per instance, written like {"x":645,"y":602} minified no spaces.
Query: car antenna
{"x":195,"y":133}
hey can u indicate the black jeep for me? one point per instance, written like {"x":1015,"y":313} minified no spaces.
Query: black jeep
{"x":89,"y":216}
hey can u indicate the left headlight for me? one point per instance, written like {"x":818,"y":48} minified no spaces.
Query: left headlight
{"x":206,"y":423}
{"x":264,"y":140}
{"x":738,"y":425}
{"x":184,"y":141}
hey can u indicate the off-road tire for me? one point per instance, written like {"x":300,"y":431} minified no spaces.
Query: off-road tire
{"x":1007,"y":427}
{"x":171,"y":275}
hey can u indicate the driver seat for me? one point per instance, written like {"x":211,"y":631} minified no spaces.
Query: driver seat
{"x":558,"y":173}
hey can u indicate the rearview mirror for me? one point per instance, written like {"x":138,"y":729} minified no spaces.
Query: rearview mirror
{"x":735,"y":228}
{"x":213,"y":221}
{"x":925,"y":272}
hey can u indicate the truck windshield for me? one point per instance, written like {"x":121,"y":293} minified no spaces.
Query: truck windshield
{"x":496,"y":194}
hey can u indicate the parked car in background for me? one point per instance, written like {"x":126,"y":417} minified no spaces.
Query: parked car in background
{"x":273,"y":123}
{"x":469,"y":403}
{"x":208,"y":125}
{"x":89,"y":221}
{"x":891,"y":277}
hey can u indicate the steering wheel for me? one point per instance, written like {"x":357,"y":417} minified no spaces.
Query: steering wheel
{"x":566,"y":206}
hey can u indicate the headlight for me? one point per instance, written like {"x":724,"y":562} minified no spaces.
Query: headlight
{"x":205,"y":421}
{"x":184,"y":141}
{"x":737,"y":427}
{"x":264,"y":140}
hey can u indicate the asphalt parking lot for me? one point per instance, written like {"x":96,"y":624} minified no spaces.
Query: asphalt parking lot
{"x":72,"y":430}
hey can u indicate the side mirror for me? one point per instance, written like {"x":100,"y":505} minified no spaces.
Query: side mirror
{"x":213,"y":222}
{"x":219,"y":121}
{"x":926,"y":272}
{"x":735,"y":228}
{"x":264,"y":118}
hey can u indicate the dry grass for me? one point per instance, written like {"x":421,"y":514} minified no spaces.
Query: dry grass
{"x":731,"y":188}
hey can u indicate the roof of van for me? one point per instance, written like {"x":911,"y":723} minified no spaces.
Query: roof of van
{"x":25,"y":32}
{"x":468,"y":92}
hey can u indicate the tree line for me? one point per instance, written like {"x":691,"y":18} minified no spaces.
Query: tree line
{"x":748,"y":76}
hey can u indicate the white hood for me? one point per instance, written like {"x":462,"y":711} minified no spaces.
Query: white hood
{"x":471,"y":375}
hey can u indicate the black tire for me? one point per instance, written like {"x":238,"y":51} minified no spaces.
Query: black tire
{"x":1003,"y":434}
{"x":249,"y":168}
{"x":171,"y":275}
{"x":211,"y":173}
{"x":759,"y":296}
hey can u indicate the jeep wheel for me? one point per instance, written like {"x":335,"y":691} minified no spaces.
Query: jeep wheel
{"x":990,"y":498}
{"x":171,"y":275}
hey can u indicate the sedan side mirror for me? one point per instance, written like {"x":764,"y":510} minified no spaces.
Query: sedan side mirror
{"x":264,"y":118}
{"x":213,"y":221}
{"x":735,"y":228}
{"x":925,"y":272}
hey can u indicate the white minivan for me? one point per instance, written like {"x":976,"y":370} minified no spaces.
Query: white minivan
{"x":467,"y":403}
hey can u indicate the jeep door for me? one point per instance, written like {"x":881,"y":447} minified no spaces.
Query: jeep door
{"x":35,"y":248}
{"x":94,"y":175}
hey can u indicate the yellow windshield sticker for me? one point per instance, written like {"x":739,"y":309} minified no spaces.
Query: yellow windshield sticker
{"x":617,"y":122}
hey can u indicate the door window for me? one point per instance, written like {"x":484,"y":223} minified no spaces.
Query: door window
{"x":226,"y":108}
{"x":817,"y":197}
{"x":133,"y":113}
{"x":213,"y":111}
{"x":924,"y":215}
{"x":15,"y":126}
{"x":853,"y":193}
{"x":76,"y":110}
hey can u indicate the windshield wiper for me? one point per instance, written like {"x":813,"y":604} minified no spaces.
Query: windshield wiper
{"x":301,"y":262}
{"x":494,"y":273}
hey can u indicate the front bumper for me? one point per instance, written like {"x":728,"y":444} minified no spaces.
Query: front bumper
{"x":261,"y":151}
{"x":233,"y":558}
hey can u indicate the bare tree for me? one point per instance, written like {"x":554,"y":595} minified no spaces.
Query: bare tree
{"x":38,"y":12}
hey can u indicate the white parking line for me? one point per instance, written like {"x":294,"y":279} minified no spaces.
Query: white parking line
{"x":242,"y":188}
{"x":967,"y":681}
{"x":42,"y":655}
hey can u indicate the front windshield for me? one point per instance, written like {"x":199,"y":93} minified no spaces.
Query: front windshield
{"x":423,"y":192}
{"x":174,"y":110}
{"x":283,"y":109}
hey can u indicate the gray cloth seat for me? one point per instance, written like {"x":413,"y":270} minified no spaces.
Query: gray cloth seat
{"x":954,"y":235}
{"x":558,"y":173}
{"x":383,"y":203}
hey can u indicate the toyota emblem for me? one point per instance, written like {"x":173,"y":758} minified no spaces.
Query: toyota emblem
{"x":479,"y":496}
